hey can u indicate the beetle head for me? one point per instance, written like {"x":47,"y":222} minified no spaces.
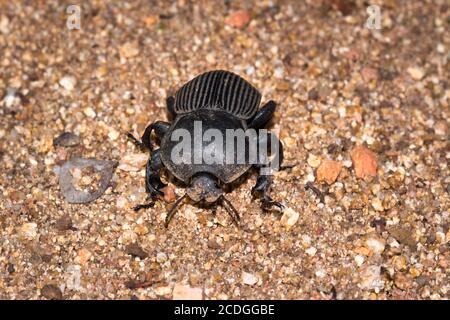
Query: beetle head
{"x":204,"y":188}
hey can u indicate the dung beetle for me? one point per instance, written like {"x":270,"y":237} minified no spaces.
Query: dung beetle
{"x":220,"y":102}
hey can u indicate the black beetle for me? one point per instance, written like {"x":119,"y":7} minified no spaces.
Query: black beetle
{"x":222,"y":101}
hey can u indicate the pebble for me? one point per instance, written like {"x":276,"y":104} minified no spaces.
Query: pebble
{"x":313,"y":160}
{"x":83,"y":256}
{"x":151,"y":20}
{"x":128,"y":236}
{"x":311,"y":251}
{"x":403,"y":281}
{"x":359,"y":259}
{"x":64,"y":223}
{"x":377,"y":204}
{"x":133,"y":162}
{"x":328,"y":171}
{"x":185,"y":292}
{"x":399,"y":262}
{"x":89,"y":112}
{"x":320,"y":273}
{"x":369,"y":74}
{"x":441,"y":128}
{"x":403,"y":235}
{"x":100,"y":72}
{"x":163,"y":290}
{"x":141,"y":229}
{"x":289,"y":218}
{"x":129,"y":50}
{"x":51,"y":292}
{"x":161,"y":257}
{"x":238,"y":19}
{"x":371,"y":279}
{"x":135,"y":250}
{"x":249,"y":278}
{"x":121,"y":202}
{"x":169,"y":193}
{"x":28,"y":231}
{"x":67,"y":139}
{"x":416,"y":73}
{"x":364,"y":162}
{"x":11,"y":98}
{"x":113,"y":134}
{"x":376,"y":244}
{"x":71,"y":194}
{"x":4,"y":24}
{"x":68,"y":82}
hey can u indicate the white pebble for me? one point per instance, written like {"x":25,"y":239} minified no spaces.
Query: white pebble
{"x":4,"y":24}
{"x":376,"y":245}
{"x":321,"y":273}
{"x":89,"y":112}
{"x":289,"y":218}
{"x":377,"y":204}
{"x":113,"y":134}
{"x":371,"y":278}
{"x":161,"y":257}
{"x":311,"y":251}
{"x":68,"y":82}
{"x":10,"y":98}
{"x":359,"y":259}
{"x":416,"y":73}
{"x":163,"y":291}
{"x":249,"y":278}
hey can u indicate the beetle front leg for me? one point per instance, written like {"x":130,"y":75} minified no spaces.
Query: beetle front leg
{"x":170,"y":104}
{"x":160,"y":128}
{"x":266,"y":168}
{"x":153,"y":183}
{"x":261,"y":190}
{"x":263,"y":116}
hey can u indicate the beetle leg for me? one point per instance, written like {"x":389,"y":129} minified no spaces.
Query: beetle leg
{"x":153,"y":183}
{"x":160,"y":128}
{"x":170,"y":103}
{"x":264,"y":180}
{"x":263,"y":116}
{"x":261,"y":190}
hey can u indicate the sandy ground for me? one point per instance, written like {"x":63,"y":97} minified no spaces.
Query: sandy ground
{"x":338,"y":85}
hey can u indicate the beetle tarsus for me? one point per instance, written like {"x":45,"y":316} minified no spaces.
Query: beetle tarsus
{"x":261,"y":189}
{"x":143,"y":206}
{"x":268,"y":203}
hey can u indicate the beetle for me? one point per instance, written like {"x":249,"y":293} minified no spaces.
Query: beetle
{"x":219,"y":100}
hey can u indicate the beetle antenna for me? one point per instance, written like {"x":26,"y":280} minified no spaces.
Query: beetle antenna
{"x":173,"y":210}
{"x":231,"y":210}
